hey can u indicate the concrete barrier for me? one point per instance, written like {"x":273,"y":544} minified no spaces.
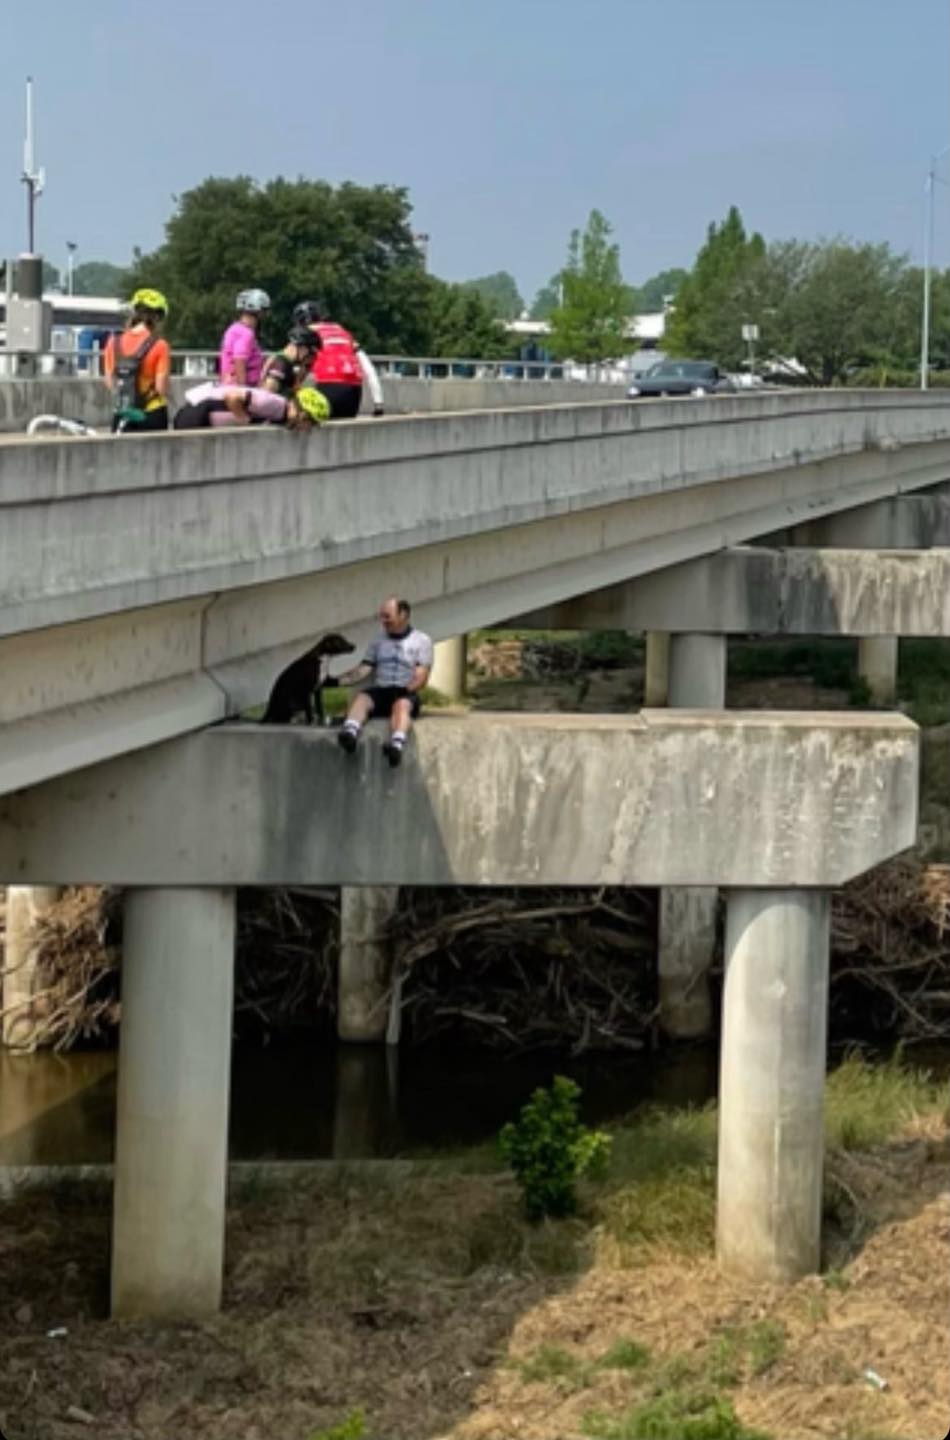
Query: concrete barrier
{"x":89,"y":400}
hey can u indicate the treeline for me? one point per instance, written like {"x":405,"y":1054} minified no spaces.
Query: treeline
{"x":350,"y":246}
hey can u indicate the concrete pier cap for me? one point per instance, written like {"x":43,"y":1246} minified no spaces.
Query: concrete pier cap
{"x":660,"y":798}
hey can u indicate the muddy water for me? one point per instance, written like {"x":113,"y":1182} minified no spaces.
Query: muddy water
{"x":304,"y":1099}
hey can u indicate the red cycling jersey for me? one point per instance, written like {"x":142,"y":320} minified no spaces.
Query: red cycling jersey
{"x":336,"y":361}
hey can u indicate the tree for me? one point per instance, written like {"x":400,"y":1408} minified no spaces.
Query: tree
{"x":655,"y":292}
{"x":350,"y":247}
{"x":590,"y":323}
{"x":99,"y":277}
{"x":547,"y":300}
{"x":500,"y":294}
{"x":51,"y":277}
{"x":723,"y":291}
{"x":462,"y":325}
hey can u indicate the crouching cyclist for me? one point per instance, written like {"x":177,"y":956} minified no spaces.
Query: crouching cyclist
{"x":137,"y":365}
{"x":286,"y":371}
{"x":340,"y":366}
{"x":211,"y":406}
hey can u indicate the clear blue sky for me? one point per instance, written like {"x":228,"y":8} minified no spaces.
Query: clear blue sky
{"x":508,"y":120}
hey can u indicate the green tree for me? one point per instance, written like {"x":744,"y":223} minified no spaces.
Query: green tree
{"x":725,"y":289}
{"x":462,"y":325}
{"x":546,"y":300}
{"x":99,"y":277}
{"x":840,"y":306}
{"x":590,"y":323}
{"x":500,"y":294}
{"x":350,"y":247}
{"x":653,"y":293}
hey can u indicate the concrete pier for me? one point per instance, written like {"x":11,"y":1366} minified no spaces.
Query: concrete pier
{"x":365,"y":961}
{"x":877,"y":666}
{"x":172,"y":1117}
{"x":698,"y":672}
{"x":449,"y":665}
{"x":772,"y":1077}
{"x":687,"y":932}
{"x":686,"y":946}
{"x":656,"y":679}
{"x":25,"y":904}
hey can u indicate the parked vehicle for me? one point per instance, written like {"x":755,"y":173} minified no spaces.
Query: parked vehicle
{"x":682,"y":377}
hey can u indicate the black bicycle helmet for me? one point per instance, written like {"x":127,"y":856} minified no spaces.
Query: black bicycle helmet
{"x":307,"y":312}
{"x":306,"y":338}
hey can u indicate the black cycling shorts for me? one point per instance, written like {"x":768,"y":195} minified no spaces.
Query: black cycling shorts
{"x":156,"y":419}
{"x":344,"y":400}
{"x":384,"y":698}
{"x":198,"y":417}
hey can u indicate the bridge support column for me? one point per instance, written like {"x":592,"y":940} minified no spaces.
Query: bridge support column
{"x":449,"y":667}
{"x":772,"y":1079}
{"x":877,"y":665}
{"x":25,"y":904}
{"x":687,"y":930}
{"x":698,"y":672}
{"x":656,"y":678}
{"x":365,"y":961}
{"x":172,"y":1121}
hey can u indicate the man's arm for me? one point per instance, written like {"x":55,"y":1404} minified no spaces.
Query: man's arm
{"x":420,"y":679}
{"x":353,"y":677}
{"x":372,"y":380}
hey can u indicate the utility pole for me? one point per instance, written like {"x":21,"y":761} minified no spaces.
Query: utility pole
{"x":70,"y":259}
{"x":33,"y":179}
{"x":928,"y":260}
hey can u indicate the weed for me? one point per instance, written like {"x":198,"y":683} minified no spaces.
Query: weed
{"x":624,"y":1355}
{"x":677,"y":1415}
{"x":764,"y":1344}
{"x":836,"y":1280}
{"x":352,"y":1428}
{"x":549,"y":1149}
{"x":550,"y":1362}
{"x":867,"y":1104}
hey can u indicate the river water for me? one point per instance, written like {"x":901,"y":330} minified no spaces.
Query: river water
{"x":305,"y":1098}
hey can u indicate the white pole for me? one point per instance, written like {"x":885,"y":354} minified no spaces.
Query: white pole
{"x":928,"y":242}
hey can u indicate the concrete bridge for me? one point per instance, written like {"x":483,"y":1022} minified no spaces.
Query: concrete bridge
{"x":151,"y":586}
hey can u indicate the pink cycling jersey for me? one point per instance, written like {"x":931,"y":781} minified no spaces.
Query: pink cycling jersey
{"x":240,"y":343}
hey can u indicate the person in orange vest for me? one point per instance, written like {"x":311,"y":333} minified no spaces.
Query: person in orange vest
{"x":340,"y":365}
{"x":137,"y":364}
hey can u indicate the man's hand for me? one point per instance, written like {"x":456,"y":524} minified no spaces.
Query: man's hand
{"x":351,"y":677}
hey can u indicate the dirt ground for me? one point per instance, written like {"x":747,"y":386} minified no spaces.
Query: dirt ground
{"x":429,"y":1304}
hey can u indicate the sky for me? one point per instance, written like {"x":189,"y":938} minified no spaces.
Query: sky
{"x":507,"y":120}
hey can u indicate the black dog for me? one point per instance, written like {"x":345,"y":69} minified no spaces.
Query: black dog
{"x":298,"y":688}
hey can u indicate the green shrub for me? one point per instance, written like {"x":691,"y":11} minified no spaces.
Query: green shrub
{"x":352,"y":1428}
{"x":549,"y":1149}
{"x":678,"y":1415}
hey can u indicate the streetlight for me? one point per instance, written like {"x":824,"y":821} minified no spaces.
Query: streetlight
{"x":928,"y":252}
{"x":70,"y":253}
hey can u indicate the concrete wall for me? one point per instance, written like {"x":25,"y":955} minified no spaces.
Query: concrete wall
{"x":88,"y":400}
{"x":752,"y":590}
{"x":696,"y":798}
{"x":153,"y":584}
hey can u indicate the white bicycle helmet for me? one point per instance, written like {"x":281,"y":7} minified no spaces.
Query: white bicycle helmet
{"x":252,"y":302}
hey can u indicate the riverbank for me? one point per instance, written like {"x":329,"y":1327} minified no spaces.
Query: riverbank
{"x":423,"y":1298}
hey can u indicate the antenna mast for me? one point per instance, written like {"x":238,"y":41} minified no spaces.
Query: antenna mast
{"x":33,"y":179}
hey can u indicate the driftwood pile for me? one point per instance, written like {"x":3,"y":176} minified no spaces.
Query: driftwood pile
{"x":567,"y":969}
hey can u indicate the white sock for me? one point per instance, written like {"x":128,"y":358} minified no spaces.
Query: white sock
{"x":398,"y":737}
{"x":353,"y":725}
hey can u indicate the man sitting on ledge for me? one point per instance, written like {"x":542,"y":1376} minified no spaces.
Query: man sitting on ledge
{"x":399,"y":661}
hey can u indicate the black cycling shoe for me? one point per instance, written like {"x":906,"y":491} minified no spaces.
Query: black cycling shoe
{"x":393,"y":752}
{"x":347,"y":740}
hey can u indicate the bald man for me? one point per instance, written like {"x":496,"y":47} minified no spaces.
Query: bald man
{"x":399,"y":660}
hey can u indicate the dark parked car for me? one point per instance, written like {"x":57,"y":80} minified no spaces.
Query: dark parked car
{"x":682,"y":377}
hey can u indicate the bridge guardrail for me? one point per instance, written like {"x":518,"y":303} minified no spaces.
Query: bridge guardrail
{"x":201,"y":364}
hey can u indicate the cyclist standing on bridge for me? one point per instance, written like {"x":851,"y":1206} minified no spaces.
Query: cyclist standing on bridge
{"x":341,"y":365}
{"x":241,"y":359}
{"x":137,"y":365}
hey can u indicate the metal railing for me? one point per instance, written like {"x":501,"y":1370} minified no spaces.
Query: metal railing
{"x":202,"y":364}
